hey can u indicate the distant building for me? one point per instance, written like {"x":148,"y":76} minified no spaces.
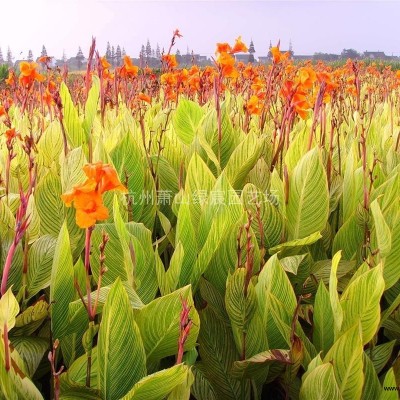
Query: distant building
{"x":375,"y":55}
{"x":264,"y":59}
{"x":242,"y":57}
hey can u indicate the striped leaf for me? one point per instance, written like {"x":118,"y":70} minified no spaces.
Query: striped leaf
{"x":62,"y":290}
{"x":120,"y":352}
{"x":372,"y":388}
{"x":241,"y":305}
{"x":308,"y":205}
{"x":243,"y":159}
{"x":31,"y":350}
{"x":75,"y":133}
{"x":380,"y":355}
{"x":383,"y":234}
{"x":40,"y":264}
{"x":159,"y":385}
{"x":320,"y":384}
{"x":15,"y":383}
{"x":218,"y":352}
{"x":346,"y":357}
{"x":159,"y":323}
{"x":361,"y":300}
{"x":186,"y":120}
{"x":201,"y":387}
{"x":323,"y":333}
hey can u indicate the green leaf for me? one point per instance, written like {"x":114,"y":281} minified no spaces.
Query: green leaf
{"x":9,"y":309}
{"x":120,"y":352}
{"x":186,"y":120}
{"x":320,"y":384}
{"x":31,"y":350}
{"x":91,"y":105}
{"x":383,"y":234}
{"x":75,"y":133}
{"x":158,"y":385}
{"x":243,"y":159}
{"x":159,"y":324}
{"x":314,"y":237}
{"x":346,"y":357}
{"x":308,"y":205}
{"x":323,"y":334}
{"x":372,"y":388}
{"x":49,"y":204}
{"x":251,"y":366}
{"x":361,"y":300}
{"x":128,"y":160}
{"x":391,"y":270}
{"x":218,"y":352}
{"x":390,"y":387}
{"x":62,"y":284}
{"x":14,"y":382}
{"x":40,"y":263}
{"x":202,"y":388}
{"x":241,"y":305}
{"x":380,"y":354}
{"x":334,"y":296}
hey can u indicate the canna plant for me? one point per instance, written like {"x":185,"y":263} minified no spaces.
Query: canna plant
{"x":234,"y":231}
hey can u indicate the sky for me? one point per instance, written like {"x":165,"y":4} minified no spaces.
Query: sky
{"x":311,"y":26}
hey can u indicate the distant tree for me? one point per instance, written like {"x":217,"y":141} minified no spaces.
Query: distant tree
{"x":252,"y":50}
{"x":153,"y":53}
{"x":44,"y":52}
{"x":158,"y":52}
{"x":1,"y":57}
{"x":108,"y":51}
{"x":79,"y":58}
{"x":112,"y":57}
{"x":178,"y":53}
{"x":148,"y":49}
{"x":123,"y":52}
{"x":349,"y":53}
{"x":118,"y":56}
{"x":142,"y":53}
{"x":64,"y":57}
{"x":9,"y":57}
{"x":30,"y":56}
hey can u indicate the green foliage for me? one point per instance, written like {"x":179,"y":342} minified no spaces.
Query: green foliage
{"x":222,"y":276}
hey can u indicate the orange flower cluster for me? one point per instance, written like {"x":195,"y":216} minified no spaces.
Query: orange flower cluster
{"x":128,"y":70}
{"x":169,"y":60}
{"x":225,"y":60}
{"x":87,"y":197}
{"x":29,"y":74}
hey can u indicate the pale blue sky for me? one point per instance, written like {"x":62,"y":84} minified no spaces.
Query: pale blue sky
{"x":327,"y":26}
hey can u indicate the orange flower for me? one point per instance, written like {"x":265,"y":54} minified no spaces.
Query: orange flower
{"x":48,"y":98}
{"x":307,"y":77}
{"x":10,"y":134}
{"x":89,"y":209}
{"x":276,"y":54}
{"x":104,"y":63}
{"x":145,"y":98}
{"x":29,"y":74}
{"x":253,"y":106}
{"x":11,"y":78}
{"x":128,"y":70}
{"x":87,"y":197}
{"x":239,"y":46}
{"x":2,"y":111}
{"x":223,"y":48}
{"x":177,"y":33}
{"x":44,"y":59}
{"x":105,"y":177}
{"x":170,"y":60}
{"x":301,"y":104}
